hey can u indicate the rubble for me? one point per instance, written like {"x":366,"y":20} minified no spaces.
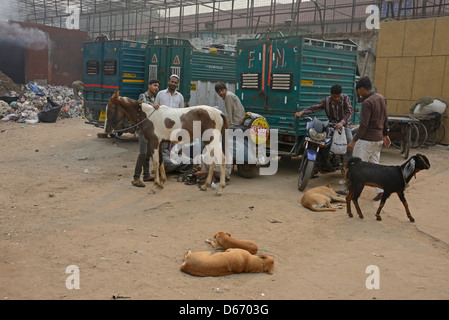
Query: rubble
{"x":28,"y":102}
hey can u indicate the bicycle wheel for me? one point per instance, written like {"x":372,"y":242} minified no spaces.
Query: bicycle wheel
{"x":431,"y":132}
{"x":414,"y":137}
{"x":422,"y":134}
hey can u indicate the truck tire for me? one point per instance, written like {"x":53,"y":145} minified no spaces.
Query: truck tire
{"x":247,"y":170}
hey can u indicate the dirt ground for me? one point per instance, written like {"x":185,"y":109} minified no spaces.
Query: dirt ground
{"x":66,"y":200}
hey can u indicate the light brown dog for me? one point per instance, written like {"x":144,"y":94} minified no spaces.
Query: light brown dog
{"x":205,"y":263}
{"x":224,"y":240}
{"x":320,"y":198}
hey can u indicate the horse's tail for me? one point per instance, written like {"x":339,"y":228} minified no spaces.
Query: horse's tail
{"x":223,"y":132}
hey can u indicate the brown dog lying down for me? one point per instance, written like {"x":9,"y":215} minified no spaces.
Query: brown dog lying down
{"x":225,"y":241}
{"x":320,"y":198}
{"x":205,"y":263}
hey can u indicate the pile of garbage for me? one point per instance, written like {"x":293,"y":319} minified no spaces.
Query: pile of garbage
{"x":27,"y":103}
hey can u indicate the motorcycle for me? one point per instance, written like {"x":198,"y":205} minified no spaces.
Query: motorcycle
{"x":318,"y":136}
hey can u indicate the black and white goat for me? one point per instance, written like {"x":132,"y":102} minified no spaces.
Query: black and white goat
{"x":359,"y":174}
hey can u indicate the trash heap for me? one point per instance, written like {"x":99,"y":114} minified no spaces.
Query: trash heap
{"x":24,"y":103}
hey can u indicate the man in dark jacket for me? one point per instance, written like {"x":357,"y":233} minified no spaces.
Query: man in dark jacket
{"x":373,"y":130}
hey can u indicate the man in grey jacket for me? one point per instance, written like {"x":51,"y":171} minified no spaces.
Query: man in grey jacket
{"x":234,"y":108}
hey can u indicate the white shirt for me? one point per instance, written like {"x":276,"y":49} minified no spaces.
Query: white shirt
{"x":175,"y":100}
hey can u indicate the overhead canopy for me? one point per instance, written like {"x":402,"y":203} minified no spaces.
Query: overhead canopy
{"x":144,"y":19}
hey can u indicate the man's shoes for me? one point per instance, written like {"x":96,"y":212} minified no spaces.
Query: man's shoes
{"x":138,"y":183}
{"x":378,"y":196}
{"x":148,"y":179}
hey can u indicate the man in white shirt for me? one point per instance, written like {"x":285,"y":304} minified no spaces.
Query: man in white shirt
{"x":170,"y":97}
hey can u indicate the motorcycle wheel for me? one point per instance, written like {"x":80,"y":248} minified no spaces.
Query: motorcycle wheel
{"x":305,"y":173}
{"x":247,"y":170}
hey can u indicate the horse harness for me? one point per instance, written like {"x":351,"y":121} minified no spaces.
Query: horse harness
{"x":114,"y":123}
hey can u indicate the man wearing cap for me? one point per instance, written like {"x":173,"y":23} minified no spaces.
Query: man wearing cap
{"x":170,"y":97}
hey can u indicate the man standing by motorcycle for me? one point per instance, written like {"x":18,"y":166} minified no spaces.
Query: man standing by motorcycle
{"x":373,"y":130}
{"x":338,"y":109}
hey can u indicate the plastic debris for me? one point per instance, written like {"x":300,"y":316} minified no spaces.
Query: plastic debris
{"x":22,"y":103}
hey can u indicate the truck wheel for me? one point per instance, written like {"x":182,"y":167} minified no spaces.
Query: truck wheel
{"x":305,"y":172}
{"x":247,"y":170}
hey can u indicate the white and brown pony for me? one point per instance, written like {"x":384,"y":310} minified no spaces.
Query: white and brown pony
{"x":172,"y":125}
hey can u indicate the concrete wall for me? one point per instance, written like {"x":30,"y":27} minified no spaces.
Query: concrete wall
{"x":413,"y":61}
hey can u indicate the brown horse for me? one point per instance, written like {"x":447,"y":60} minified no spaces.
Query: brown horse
{"x":174,"y":125}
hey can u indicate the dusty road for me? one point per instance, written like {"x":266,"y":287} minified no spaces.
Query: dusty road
{"x":66,"y":200}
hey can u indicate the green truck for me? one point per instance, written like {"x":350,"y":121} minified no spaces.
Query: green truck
{"x":127,"y":66}
{"x":278,"y":76}
{"x":110,"y":66}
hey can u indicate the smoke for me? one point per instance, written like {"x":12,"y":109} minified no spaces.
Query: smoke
{"x":28,"y":38}
{"x":9,"y":10}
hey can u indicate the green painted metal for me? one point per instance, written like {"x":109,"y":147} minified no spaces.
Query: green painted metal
{"x":110,"y":66}
{"x":213,"y":67}
{"x":168,"y":56}
{"x":279,"y":76}
{"x":127,"y":66}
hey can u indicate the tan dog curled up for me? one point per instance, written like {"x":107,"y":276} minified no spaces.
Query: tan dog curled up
{"x":320,"y":198}
{"x":205,"y":263}
{"x":225,"y":241}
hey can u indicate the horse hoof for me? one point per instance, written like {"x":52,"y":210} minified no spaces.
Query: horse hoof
{"x":350,"y":215}
{"x":203,"y":188}
{"x":378,"y":218}
{"x":412,"y":219}
{"x":157,"y":187}
{"x":218,"y":194}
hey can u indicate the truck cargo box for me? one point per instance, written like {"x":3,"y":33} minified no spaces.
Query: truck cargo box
{"x":109,"y":66}
{"x":278,"y":76}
